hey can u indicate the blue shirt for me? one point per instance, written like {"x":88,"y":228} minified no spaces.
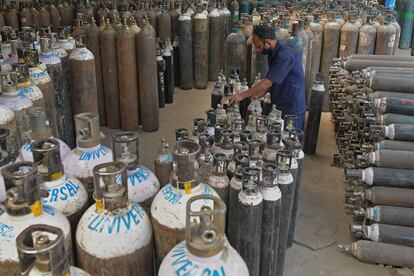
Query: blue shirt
{"x":286,"y":73}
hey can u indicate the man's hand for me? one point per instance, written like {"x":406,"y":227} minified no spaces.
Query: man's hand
{"x":235,"y":98}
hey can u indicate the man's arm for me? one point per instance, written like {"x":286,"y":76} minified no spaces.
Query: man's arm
{"x":257,"y":91}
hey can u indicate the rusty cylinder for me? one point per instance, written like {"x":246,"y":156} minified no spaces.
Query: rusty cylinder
{"x":385,"y":42}
{"x":92,"y":43}
{"x":174,"y":22}
{"x":110,"y":76}
{"x":82,"y":71}
{"x":201,"y":37}
{"x":349,"y":39}
{"x":44,"y":17}
{"x":66,"y":14}
{"x":127,"y":78}
{"x":147,"y":75}
{"x":54,"y":18}
{"x":152,"y":16}
{"x":25,"y":16}
{"x":12,"y":19}
{"x":185,"y":51}
{"x":35,"y":16}
{"x":367,"y":37}
{"x":164,"y":25}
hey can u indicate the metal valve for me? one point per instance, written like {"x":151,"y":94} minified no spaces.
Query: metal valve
{"x":125,"y":148}
{"x":87,"y":130}
{"x":46,"y":155}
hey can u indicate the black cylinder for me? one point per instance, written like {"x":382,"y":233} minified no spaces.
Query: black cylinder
{"x":169,"y":76}
{"x":185,"y":51}
{"x":396,"y":234}
{"x":393,"y":178}
{"x":393,"y":215}
{"x":161,"y":79}
{"x":391,"y":196}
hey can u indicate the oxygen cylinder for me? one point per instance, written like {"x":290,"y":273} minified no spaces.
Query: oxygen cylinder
{"x":126,"y":250}
{"x":200,"y":255}
{"x":331,"y":37}
{"x":176,"y":61}
{"x":236,"y":53}
{"x":44,"y":17}
{"x":23,"y":209}
{"x":163,"y":163}
{"x":239,"y":148}
{"x":110,"y":76}
{"x":64,"y":120}
{"x":146,"y":54}
{"x":397,"y":159}
{"x":394,"y":234}
{"x":367,"y":38}
{"x":84,"y":92}
{"x":6,"y":158}
{"x":314,"y":116}
{"x":35,"y":16}
{"x":42,"y":251}
{"x":66,"y":14}
{"x":161,"y":78}
{"x":174,"y":21}
{"x":38,"y":128}
{"x":385,"y":41}
{"x":394,"y":105}
{"x":152,"y":17}
{"x":387,"y":177}
{"x":225,"y":15}
{"x":127,"y":78}
{"x":164,"y":25}
{"x":400,"y":132}
{"x":310,"y":36}
{"x":54,"y":17}
{"x":201,"y":47}
{"x":168,"y":214}
{"x":349,"y":38}
{"x":285,"y":183}
{"x":297,"y":43}
{"x":407,"y":25}
{"x":65,"y":193}
{"x":273,"y":144}
{"x":218,"y":178}
{"x":92,"y":43}
{"x":8,"y":121}
{"x":12,"y":18}
{"x":216,"y":34}
{"x":25,"y":16}
{"x":302,"y":34}
{"x":185,"y":51}
{"x":270,"y":220}
{"x":397,"y":27}
{"x":386,"y":215}
{"x":89,"y":151}
{"x":395,"y":145}
{"x":168,"y":56}
{"x":249,"y":214}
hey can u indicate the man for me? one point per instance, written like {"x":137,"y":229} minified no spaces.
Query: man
{"x":285,"y":77}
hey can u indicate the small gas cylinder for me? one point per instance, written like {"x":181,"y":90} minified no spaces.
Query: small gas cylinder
{"x":218,"y":178}
{"x":205,"y":249}
{"x":163,"y":163}
{"x":89,"y":151}
{"x":143,"y":185}
{"x":114,"y":235}
{"x":24,"y":208}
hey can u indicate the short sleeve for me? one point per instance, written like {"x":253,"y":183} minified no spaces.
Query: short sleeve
{"x":281,"y":67}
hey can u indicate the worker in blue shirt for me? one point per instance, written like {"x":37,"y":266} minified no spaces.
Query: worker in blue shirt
{"x":285,"y":77}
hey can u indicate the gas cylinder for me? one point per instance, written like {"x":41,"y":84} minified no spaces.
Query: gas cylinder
{"x":176,"y":61}
{"x":89,"y":151}
{"x":386,"y":215}
{"x":6,"y":158}
{"x":92,"y":43}
{"x":126,"y":250}
{"x":331,"y":37}
{"x":142,"y":183}
{"x":64,"y":192}
{"x":42,"y":252}
{"x":387,"y":177}
{"x":206,"y":215}
{"x":317,"y":41}
{"x":349,"y":38}
{"x":64,"y":120}
{"x":110,"y":76}
{"x":217,"y":92}
{"x":395,"y":145}
{"x":146,"y":54}
{"x":44,"y":17}
{"x":13,"y":58}
{"x":26,"y":88}
{"x":273,"y":144}
{"x":385,"y":41}
{"x":66,"y":14}
{"x":12,"y":18}
{"x":152,"y":18}
{"x":398,"y":159}
{"x":225,"y":15}
{"x":226,"y":143}
{"x":367,"y":37}
{"x":127,"y":78}
{"x":216,"y":34}
{"x":309,"y":34}
{"x":201,"y":47}
{"x":167,"y":210}
{"x":163,"y":163}
{"x":249,"y":215}
{"x":164,"y":25}
{"x":303,"y":35}
{"x":37,"y":127}
{"x":285,"y":182}
{"x":407,"y":24}
{"x":174,"y":20}
{"x":24,"y":208}
{"x":35,"y":16}
{"x":235,"y":13}
{"x":275,"y":117}
{"x":236,"y":53}
{"x":218,"y":178}
{"x":168,"y":56}
{"x":185,"y":51}
{"x":270,"y":219}
{"x":378,"y":195}
{"x":297,"y":43}
{"x":66,"y":41}
{"x":394,"y":105}
{"x":25,"y":16}
{"x":394,"y":234}
{"x":82,"y":71}
{"x":397,"y":34}
{"x":160,"y":78}
{"x":10,"y":98}
{"x":8,"y":121}
{"x":400,"y":132}
{"x":250,"y":66}
{"x":54,"y":17}
{"x":239,"y":148}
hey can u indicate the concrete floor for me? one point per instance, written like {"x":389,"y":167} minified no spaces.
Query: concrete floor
{"x":322,"y":220}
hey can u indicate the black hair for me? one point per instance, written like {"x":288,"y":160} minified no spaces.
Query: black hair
{"x":264,"y":32}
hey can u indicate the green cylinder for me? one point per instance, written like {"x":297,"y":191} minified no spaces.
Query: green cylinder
{"x":391,"y":118}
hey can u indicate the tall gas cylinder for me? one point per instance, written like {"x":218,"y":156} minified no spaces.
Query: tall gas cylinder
{"x":349,"y":38}
{"x":216,"y":34}
{"x":64,"y":120}
{"x":203,"y":255}
{"x":42,"y":251}
{"x":147,"y":76}
{"x":54,"y":17}
{"x":161,"y":77}
{"x":65,"y":193}
{"x":297,"y":43}
{"x":8,"y":121}
{"x":152,"y":17}
{"x":163,"y":163}
{"x":397,"y":34}
{"x":24,"y":208}
{"x":367,"y":38}
{"x":236,"y":53}
{"x":174,"y":21}
{"x":218,"y":178}
{"x":331,"y":37}
{"x":92,"y":43}
{"x":110,"y":76}
{"x":89,"y":151}
{"x":82,"y":71}
{"x":185,"y":51}
{"x":44,"y":17}
{"x":12,"y":19}
{"x":201,"y":47}
{"x":385,"y":41}
{"x":225,"y":15}
{"x":407,"y":25}
{"x":168,"y":213}
{"x":143,"y":185}
{"x":127,"y":78}
{"x":168,"y":56}
{"x":176,"y":62}
{"x":317,"y":41}
{"x":25,"y":16}
{"x":66,"y":14}
{"x":302,"y":34}
{"x":164,"y":25}
{"x":124,"y":245}
{"x":270,"y":220}
{"x":6,"y":158}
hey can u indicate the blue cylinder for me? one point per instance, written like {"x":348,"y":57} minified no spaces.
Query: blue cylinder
{"x":245,"y":7}
{"x":295,"y":42}
{"x":407,"y":27}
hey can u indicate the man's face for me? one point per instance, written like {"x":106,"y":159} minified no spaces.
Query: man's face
{"x":258,"y":43}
